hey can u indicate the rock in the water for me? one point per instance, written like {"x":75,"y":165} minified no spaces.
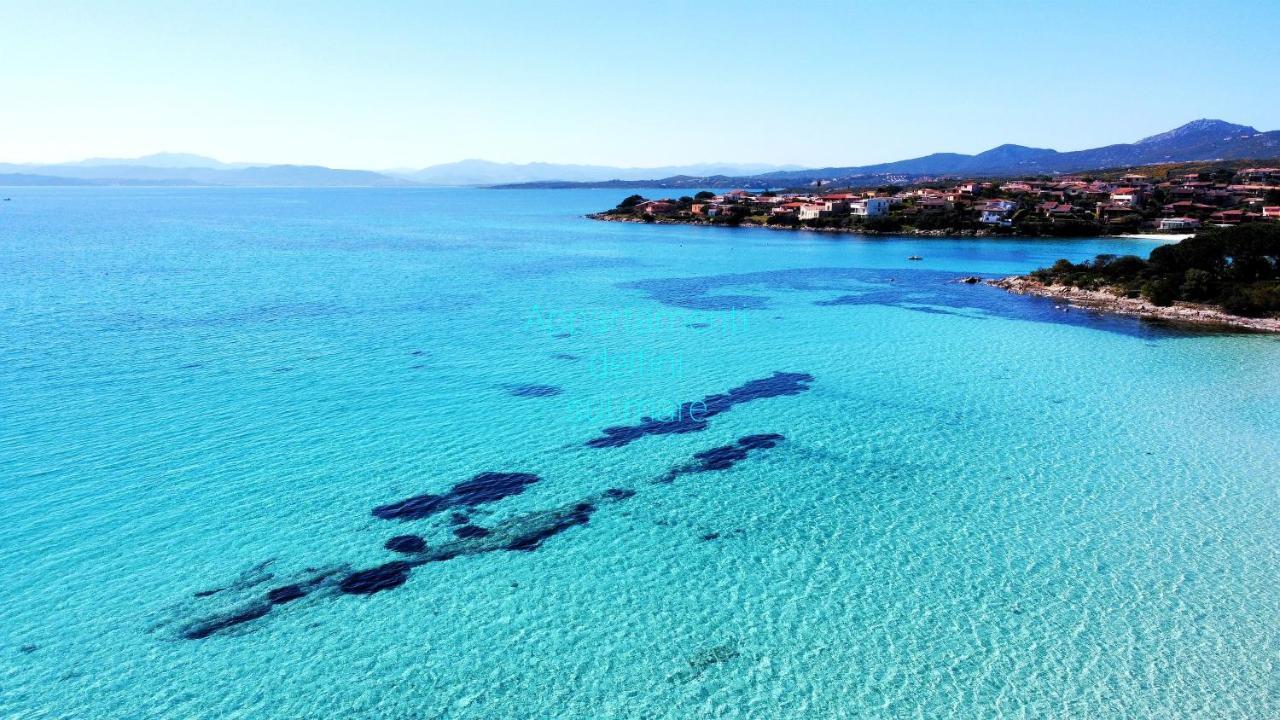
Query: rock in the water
{"x":374,"y":580}
{"x":724,"y":456}
{"x":406,"y":544}
{"x":693,"y":416}
{"x":284,"y":594}
{"x":529,"y":541}
{"x":470,"y":531}
{"x":483,"y":488}
{"x":205,"y":628}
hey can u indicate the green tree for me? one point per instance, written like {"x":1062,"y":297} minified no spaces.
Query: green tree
{"x":1161,"y":291}
{"x":1197,"y":285}
{"x":630,"y":202}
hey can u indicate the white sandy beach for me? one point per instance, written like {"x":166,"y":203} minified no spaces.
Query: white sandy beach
{"x":1163,"y":237}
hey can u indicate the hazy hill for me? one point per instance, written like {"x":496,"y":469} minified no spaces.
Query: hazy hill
{"x":1200,"y":140}
{"x":178,"y":168}
{"x":483,"y":172}
{"x":159,"y":160}
{"x":102,"y":171}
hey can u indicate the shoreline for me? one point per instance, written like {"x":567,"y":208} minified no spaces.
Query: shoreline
{"x":604,"y":217}
{"x":1163,"y":237}
{"x":1205,"y":316}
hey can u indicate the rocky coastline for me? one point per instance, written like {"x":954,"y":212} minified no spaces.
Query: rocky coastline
{"x":1104,"y":300}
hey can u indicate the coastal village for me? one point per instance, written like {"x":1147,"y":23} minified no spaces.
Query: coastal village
{"x":1067,"y":205}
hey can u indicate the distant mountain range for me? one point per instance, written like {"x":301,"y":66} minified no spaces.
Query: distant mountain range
{"x":161,"y":160}
{"x":181,"y":169}
{"x":185,"y":169}
{"x":483,"y":172}
{"x":1197,"y":140}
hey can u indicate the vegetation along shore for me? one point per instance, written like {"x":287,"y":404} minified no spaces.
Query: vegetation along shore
{"x":1222,"y":276}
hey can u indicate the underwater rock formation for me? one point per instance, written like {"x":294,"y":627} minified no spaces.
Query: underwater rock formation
{"x":406,"y":544}
{"x":522,"y":533}
{"x":316,"y":581}
{"x":723,"y":457}
{"x":384,"y":577}
{"x":255,"y":575}
{"x":483,"y":488}
{"x":704,"y":659}
{"x":693,"y":416}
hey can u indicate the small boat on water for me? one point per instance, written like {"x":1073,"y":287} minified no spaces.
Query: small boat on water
{"x":915,"y":257}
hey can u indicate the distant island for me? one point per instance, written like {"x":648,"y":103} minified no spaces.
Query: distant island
{"x":1176,"y":198}
{"x":1220,"y":276}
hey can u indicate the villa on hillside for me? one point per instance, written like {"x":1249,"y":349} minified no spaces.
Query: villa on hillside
{"x":1178,"y":223}
{"x":1130,"y":196}
{"x":997,"y":212}
{"x":870,"y":207}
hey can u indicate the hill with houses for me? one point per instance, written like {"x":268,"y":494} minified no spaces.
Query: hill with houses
{"x":1179,"y":198}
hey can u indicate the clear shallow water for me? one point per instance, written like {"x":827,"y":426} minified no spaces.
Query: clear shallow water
{"x":983,"y":506}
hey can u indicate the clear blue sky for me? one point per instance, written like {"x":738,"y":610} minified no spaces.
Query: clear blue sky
{"x":407,"y":84}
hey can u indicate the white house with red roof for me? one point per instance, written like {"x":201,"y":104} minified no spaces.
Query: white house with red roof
{"x":1131,"y":196}
{"x":811,"y":211}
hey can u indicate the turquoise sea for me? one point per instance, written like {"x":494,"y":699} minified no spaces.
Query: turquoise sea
{"x":863,"y":489}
